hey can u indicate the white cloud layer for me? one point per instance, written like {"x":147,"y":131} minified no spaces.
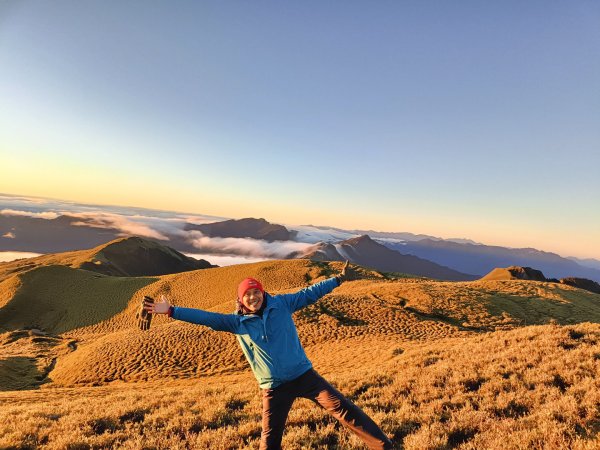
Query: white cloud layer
{"x":126,"y":225}
{"x":226,"y":260}
{"x":20,"y":199}
{"x":39,"y":215}
{"x":158,"y":225}
{"x":245,"y":246}
{"x":11,"y":256}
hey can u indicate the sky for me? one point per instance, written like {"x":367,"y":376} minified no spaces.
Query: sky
{"x":456,"y":119}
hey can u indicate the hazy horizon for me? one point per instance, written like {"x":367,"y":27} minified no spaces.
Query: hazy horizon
{"x":459,"y":120}
{"x":152,"y":223}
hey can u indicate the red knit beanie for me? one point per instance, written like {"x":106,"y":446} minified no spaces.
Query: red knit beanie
{"x":249,"y":283}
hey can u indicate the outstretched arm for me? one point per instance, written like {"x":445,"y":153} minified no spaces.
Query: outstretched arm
{"x":216,"y":321}
{"x":309,"y":295}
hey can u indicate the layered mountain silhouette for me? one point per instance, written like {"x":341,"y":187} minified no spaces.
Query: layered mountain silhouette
{"x":67,"y":233}
{"x":244,"y":228}
{"x":32,"y":234}
{"x":365,"y":251}
{"x":480,"y":259}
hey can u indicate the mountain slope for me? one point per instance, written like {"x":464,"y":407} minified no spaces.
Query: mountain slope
{"x":365,"y":251}
{"x":97,"y":314}
{"x":532,"y":387}
{"x":480,"y":259}
{"x":133,"y":256}
{"x":582,"y":283}
{"x":515,"y":273}
{"x":499,"y":365}
{"x":57,"y":299}
{"x":373,"y":310}
{"x":31,"y":234}
{"x":373,"y":313}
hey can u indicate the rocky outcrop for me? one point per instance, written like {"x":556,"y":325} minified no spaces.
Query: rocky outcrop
{"x":582,"y":283}
{"x":322,"y":251}
{"x":515,"y":273}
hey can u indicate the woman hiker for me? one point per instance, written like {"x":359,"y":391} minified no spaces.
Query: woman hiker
{"x":267,"y":334}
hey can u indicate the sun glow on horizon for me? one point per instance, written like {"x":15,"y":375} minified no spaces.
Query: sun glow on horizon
{"x":308,"y":122}
{"x":505,"y":234}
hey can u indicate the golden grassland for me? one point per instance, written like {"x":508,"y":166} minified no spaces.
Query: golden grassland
{"x":532,"y":387}
{"x":74,"y":259}
{"x":440,"y":365}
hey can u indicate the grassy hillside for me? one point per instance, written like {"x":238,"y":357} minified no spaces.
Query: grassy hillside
{"x":498,"y":364}
{"x":57,"y":299}
{"x":132,"y":256}
{"x":378,"y":310}
{"x":532,"y":387}
{"x":97,"y":313}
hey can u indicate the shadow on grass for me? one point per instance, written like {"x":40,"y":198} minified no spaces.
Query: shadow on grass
{"x":313,"y":312}
{"x":443,"y":318}
{"x":574,"y":308}
{"x":58,"y":299}
{"x":18,"y":373}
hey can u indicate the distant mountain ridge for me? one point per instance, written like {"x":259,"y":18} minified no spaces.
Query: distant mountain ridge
{"x":586,"y":262}
{"x":67,"y":233}
{"x":244,"y":228}
{"x":335,"y":233}
{"x":365,"y":251}
{"x":32,"y":234}
{"x":379,"y":235}
{"x":480,"y":259}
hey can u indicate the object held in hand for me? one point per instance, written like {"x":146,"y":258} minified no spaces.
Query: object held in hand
{"x":144,"y":317}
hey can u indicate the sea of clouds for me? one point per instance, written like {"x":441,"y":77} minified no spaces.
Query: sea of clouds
{"x":148,"y":223}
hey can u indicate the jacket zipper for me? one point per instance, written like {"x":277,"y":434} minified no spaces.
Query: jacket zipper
{"x":264,"y":322}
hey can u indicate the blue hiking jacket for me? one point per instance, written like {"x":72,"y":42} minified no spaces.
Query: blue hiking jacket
{"x":270,"y":342}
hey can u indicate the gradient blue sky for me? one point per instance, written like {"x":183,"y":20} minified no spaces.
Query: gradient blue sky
{"x":458,"y":119}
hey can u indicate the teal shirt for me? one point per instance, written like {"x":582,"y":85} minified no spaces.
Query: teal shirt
{"x":270,"y":342}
